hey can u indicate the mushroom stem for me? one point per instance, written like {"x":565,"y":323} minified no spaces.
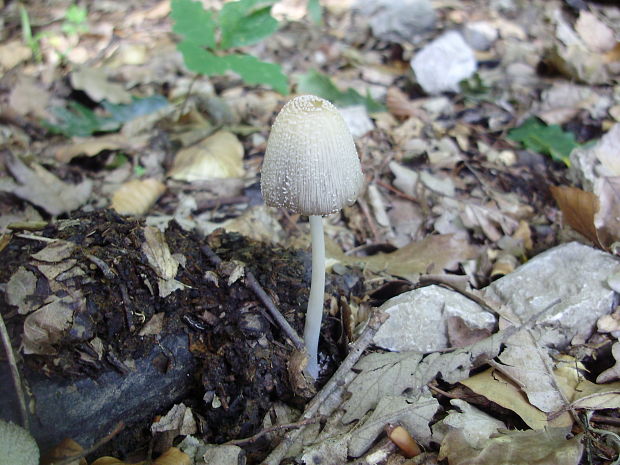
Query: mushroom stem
{"x":314,"y":314}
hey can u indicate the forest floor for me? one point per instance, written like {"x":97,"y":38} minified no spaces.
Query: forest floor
{"x":470,"y":308}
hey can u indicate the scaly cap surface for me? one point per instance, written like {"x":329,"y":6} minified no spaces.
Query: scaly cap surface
{"x":311,"y":165}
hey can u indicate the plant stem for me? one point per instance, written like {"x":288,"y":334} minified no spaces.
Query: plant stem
{"x":314,"y":314}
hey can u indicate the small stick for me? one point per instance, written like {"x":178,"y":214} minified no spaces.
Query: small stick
{"x":271,"y":429}
{"x":253,"y":284}
{"x":8,"y":348}
{"x":335,"y":385}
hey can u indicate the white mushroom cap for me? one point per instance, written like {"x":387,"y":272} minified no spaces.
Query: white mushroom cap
{"x":311,"y":165}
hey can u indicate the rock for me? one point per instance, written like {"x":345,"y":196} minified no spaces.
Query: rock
{"x":398,"y":20}
{"x":419,"y":319}
{"x":591,"y":162}
{"x":441,"y":65}
{"x":570,"y":281}
{"x":480,"y":35}
{"x":357,"y":119}
{"x":87,"y":409}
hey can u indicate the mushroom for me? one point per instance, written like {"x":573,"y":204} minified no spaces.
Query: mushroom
{"x":311,"y":167}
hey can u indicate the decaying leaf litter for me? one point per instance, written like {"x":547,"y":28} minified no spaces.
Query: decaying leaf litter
{"x":487,"y":232}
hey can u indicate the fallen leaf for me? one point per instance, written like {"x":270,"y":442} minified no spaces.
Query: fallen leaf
{"x":218,"y":156}
{"x":13,"y":53}
{"x":532,"y":368}
{"x":92,"y":146}
{"x":548,"y":447}
{"x":172,"y":456}
{"x":44,"y":327}
{"x":19,"y":288}
{"x":55,"y":252}
{"x":44,"y":189}
{"x":179,"y":420}
{"x":136,"y":197}
{"x":595,"y":34}
{"x":95,"y":83}
{"x":66,"y":448}
{"x":157,"y":252}
{"x":578,"y":209}
{"x":27,"y":97}
{"x":497,"y":388}
{"x":434,"y":254}
{"x":476,"y":425}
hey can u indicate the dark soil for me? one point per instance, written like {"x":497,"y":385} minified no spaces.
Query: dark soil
{"x":239,"y":355}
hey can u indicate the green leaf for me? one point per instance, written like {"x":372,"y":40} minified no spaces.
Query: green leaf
{"x":201,"y":61}
{"x":138,"y":107}
{"x":254,"y":71}
{"x":193,"y":22}
{"x":314,"y":11}
{"x":79,"y":121}
{"x":319,"y":84}
{"x":549,"y":140}
{"x":246,"y":22}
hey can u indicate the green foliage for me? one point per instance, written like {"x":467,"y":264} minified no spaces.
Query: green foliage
{"x":474,"y":88}
{"x":78,"y":120}
{"x":240,"y":23}
{"x":319,"y":84}
{"x":246,"y":22}
{"x":550,"y":140}
{"x":315,"y":12}
{"x":32,"y":41}
{"x":75,"y":20}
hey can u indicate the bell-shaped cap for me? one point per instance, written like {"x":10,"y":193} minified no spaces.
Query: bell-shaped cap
{"x":311,"y":165}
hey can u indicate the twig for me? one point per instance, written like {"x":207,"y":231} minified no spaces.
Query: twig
{"x":220,"y":201}
{"x":71,"y":458}
{"x":335,"y":385}
{"x":34,"y":237}
{"x":10,"y":356}
{"x":253,"y":284}
{"x":271,"y":429}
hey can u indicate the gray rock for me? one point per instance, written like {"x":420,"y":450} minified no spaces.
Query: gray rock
{"x":573,"y":275}
{"x":357,"y":119}
{"x":398,"y":20}
{"x":480,"y":35}
{"x":419,"y":319}
{"x":442,"y":64}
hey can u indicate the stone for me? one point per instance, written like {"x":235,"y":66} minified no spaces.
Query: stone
{"x":442,"y":64}
{"x":398,"y":20}
{"x":569,"y":282}
{"x":419,"y":319}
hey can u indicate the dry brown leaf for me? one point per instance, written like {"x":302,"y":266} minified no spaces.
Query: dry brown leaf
{"x":95,"y":83}
{"x":578,"y":209}
{"x":27,"y":97}
{"x":91,"y":146}
{"x":218,"y":156}
{"x":172,"y":456}
{"x":66,"y":448}
{"x":549,"y":447}
{"x":401,"y":106}
{"x":499,"y":389}
{"x":44,"y":189}
{"x":45,"y":326}
{"x":137,"y":196}
{"x":434,"y":254}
